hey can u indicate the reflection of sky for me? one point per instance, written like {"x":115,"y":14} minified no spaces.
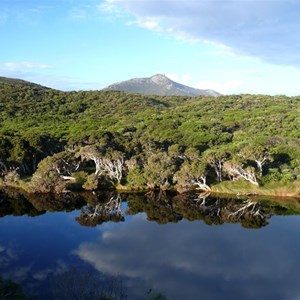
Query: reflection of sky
{"x":190,"y":259}
{"x":187,"y":260}
{"x":32,"y":249}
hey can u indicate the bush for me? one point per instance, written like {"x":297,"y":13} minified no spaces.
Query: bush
{"x":91,"y":183}
{"x":135,"y":178}
{"x":273,"y":175}
{"x":47,"y":182}
{"x":80,"y":179}
{"x":12,"y":177}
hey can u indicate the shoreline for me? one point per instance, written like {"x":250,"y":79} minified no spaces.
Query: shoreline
{"x":225,"y":188}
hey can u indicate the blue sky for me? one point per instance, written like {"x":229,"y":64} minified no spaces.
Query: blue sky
{"x":232,"y":46}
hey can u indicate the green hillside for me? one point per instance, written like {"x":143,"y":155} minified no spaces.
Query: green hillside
{"x":160,"y":141}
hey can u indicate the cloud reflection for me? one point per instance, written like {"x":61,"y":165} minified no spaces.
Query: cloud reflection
{"x":189,"y":259}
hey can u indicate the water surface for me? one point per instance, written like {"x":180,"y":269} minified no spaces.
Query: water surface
{"x":182,"y":247}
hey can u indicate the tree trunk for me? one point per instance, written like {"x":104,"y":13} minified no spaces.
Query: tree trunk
{"x":201,"y":183}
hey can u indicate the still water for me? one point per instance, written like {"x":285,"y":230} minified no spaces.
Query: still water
{"x":154,"y":246}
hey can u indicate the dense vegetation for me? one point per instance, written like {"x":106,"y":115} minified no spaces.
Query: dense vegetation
{"x":90,"y":139}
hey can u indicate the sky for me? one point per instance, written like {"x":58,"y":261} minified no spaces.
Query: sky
{"x":231,"y":46}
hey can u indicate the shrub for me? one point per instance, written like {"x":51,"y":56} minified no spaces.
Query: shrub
{"x":47,"y":182}
{"x":91,"y":183}
{"x":80,"y":179}
{"x":12,"y":177}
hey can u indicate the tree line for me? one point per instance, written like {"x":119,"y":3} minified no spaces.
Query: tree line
{"x":99,"y":139}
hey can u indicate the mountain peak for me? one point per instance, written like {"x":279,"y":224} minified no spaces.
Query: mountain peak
{"x":159,"y":84}
{"x":160,"y":79}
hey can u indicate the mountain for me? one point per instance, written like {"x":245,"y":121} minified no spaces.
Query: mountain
{"x":20,"y":82}
{"x":159,"y":85}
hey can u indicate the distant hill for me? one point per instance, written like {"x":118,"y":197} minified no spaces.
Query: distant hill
{"x":159,"y":85}
{"x":20,"y":82}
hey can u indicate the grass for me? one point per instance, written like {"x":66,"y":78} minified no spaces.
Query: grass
{"x":241,"y":187}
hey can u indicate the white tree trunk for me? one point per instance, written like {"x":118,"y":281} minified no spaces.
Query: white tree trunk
{"x":113,"y":168}
{"x":261,"y":163}
{"x":218,"y":165}
{"x":201,"y":183}
{"x":236,"y":171}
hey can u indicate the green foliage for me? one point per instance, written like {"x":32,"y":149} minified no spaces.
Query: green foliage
{"x":158,"y":296}
{"x":163,"y":132}
{"x":79,"y":180}
{"x":47,"y":182}
{"x":11,"y":291}
{"x":91,"y":183}
{"x":159,"y":169}
{"x":135,"y":178}
{"x":47,"y":178}
{"x":190,"y":171}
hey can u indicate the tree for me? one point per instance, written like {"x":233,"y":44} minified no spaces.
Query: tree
{"x":18,"y":154}
{"x":52,"y":172}
{"x":5,"y":147}
{"x":257,"y":153}
{"x":159,"y":170}
{"x":112,"y":165}
{"x":237,"y":170}
{"x":92,"y":153}
{"x":193,"y":173}
{"x":40,"y":145}
{"x":216,"y":159}
{"x":108,"y":162}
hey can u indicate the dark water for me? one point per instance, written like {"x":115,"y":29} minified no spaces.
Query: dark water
{"x":151,"y":246}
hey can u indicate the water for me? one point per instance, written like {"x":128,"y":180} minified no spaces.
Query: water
{"x":151,"y":246}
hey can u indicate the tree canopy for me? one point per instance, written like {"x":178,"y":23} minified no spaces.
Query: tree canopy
{"x":150,"y":141}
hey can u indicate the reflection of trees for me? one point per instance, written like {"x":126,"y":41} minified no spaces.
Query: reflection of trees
{"x":10,"y":290}
{"x":216,"y":211}
{"x":249,"y":213}
{"x":100,"y":212}
{"x":88,"y":284}
{"x":57,"y":202}
{"x":16,"y":204}
{"x":163,"y":208}
{"x":157,"y":205}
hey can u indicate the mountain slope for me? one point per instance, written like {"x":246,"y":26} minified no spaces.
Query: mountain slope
{"x":159,"y":85}
{"x":20,"y":82}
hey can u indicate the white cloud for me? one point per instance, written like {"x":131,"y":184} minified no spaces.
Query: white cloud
{"x":58,"y":269}
{"x":25,"y":65}
{"x":225,"y":87}
{"x":147,"y":23}
{"x":188,"y":259}
{"x":261,"y":28}
{"x":7,"y":255}
{"x":42,"y":275}
{"x":108,"y":7}
{"x":183,"y":79}
{"x":186,"y":78}
{"x":173,"y":76}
